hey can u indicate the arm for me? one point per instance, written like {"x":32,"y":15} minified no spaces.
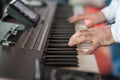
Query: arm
{"x":114,"y":10}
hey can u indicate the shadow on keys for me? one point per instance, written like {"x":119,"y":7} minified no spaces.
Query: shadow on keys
{"x":53,"y":73}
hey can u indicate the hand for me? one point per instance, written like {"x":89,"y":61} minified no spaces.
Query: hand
{"x":97,"y":36}
{"x":94,"y":18}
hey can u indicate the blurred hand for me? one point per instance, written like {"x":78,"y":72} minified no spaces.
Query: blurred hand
{"x":96,"y":36}
{"x":95,"y":3}
{"x":94,"y":18}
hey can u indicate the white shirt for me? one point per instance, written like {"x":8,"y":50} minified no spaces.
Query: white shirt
{"x":112,"y":14}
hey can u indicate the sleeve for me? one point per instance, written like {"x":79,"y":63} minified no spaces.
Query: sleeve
{"x":110,"y":11}
{"x":115,"y":29}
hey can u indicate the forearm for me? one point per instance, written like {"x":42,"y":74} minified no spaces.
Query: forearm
{"x":101,"y":17}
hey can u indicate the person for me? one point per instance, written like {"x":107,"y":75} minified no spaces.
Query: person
{"x":102,"y":36}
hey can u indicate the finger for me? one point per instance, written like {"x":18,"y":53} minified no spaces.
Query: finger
{"x":90,"y":25}
{"x":83,"y":33}
{"x":92,"y":49}
{"x":73,"y":19}
{"x":79,"y":33}
{"x":72,"y":39}
{"x":81,"y":39}
{"x":76,"y":18}
{"x":82,"y":17}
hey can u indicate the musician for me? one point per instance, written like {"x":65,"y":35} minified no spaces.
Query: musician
{"x":102,"y":36}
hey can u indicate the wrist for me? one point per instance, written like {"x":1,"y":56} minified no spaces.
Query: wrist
{"x":109,"y":37}
{"x":101,"y":17}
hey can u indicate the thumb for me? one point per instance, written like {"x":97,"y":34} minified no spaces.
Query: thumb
{"x":81,"y":16}
{"x":92,"y":49}
{"x":90,"y":25}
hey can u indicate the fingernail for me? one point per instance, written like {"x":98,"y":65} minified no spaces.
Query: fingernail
{"x":70,"y":21}
{"x":70,"y":44}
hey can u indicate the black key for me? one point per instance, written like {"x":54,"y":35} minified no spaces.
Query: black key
{"x":61,"y":52}
{"x":61,"y":49}
{"x":60,"y":60}
{"x":66,"y":38}
{"x":62,"y":64}
{"x":60,"y":57}
{"x":59,"y":46}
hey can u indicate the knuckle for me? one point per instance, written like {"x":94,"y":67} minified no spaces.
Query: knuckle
{"x":83,"y":32}
{"x":77,"y":40}
{"x":96,"y":44}
{"x":87,"y":36}
{"x":72,"y":38}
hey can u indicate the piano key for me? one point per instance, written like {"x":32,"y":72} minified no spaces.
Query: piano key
{"x":59,"y":38}
{"x":61,"y":52}
{"x":59,"y":46}
{"x":61,"y":22}
{"x":62,"y":17}
{"x":63,"y":25}
{"x":58,"y":41}
{"x":62,"y":32}
{"x":61,"y":49}
{"x":63,"y":28}
{"x":60,"y":60}
{"x":60,"y":35}
{"x":55,"y":46}
{"x":60,"y":56}
{"x":75,"y":64}
{"x":56,"y":19}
